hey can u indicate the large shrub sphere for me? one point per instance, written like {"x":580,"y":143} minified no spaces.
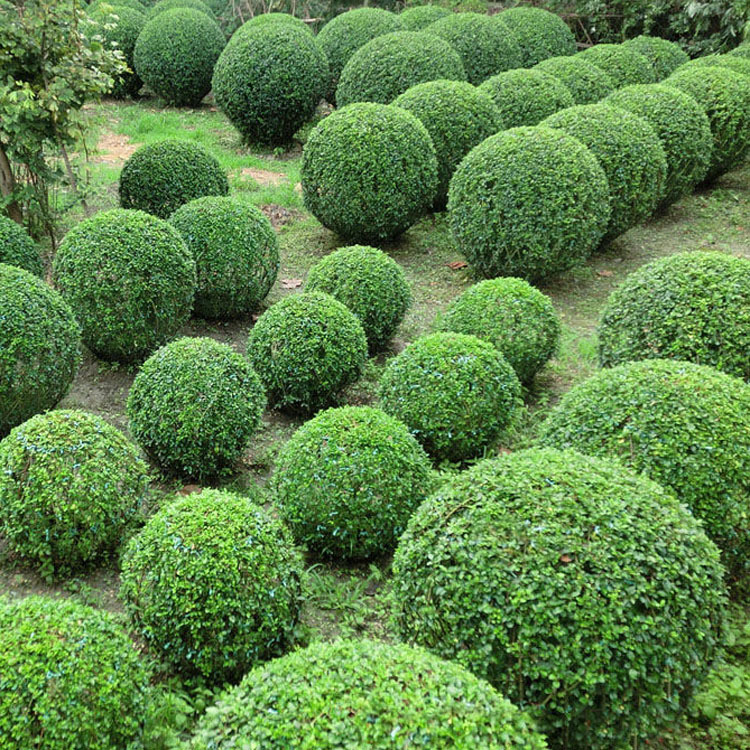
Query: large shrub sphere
{"x":583,"y":592}
{"x":742,"y":51}
{"x":665,"y":56}
{"x":622,"y":64}
{"x":420,"y":17}
{"x":164,"y":5}
{"x":18,"y":249}
{"x":586,"y":82}
{"x":132,"y":4}
{"x":539,"y":33}
{"x":263,"y":19}
{"x":737,"y":64}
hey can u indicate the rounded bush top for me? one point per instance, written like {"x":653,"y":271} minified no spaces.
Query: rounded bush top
{"x":665,"y":56}
{"x":165,"y":5}
{"x":624,"y":65}
{"x":421,"y":16}
{"x":737,"y":64}
{"x":586,"y":82}
{"x":263,"y":19}
{"x":539,"y":33}
{"x":742,"y":51}
{"x":99,"y":5}
{"x":18,"y":249}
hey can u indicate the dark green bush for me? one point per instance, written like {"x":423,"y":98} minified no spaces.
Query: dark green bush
{"x":630,"y":153}
{"x":737,"y":64}
{"x":236,"y":255}
{"x":742,"y":51}
{"x":18,"y":249}
{"x":369,"y":171}
{"x":165,"y":5}
{"x":39,"y":347}
{"x":129,"y":279}
{"x":420,"y":17}
{"x":622,"y":64}
{"x":586,"y":83}
{"x":160,"y":177}
{"x":584,"y":592}
{"x":132,"y":4}
{"x":364,"y":694}
{"x":684,"y":425}
{"x":212,"y":583}
{"x":263,"y":19}
{"x":528,"y":202}
{"x":306,"y":349}
{"x":539,"y":33}
{"x":665,"y":56}
{"x":71,"y":678}
{"x":175,"y":55}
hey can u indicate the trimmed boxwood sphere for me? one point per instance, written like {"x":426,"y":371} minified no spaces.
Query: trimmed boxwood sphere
{"x":420,"y":17}
{"x":630,"y":153}
{"x":132,"y":4}
{"x":526,"y":97}
{"x":528,"y":202}
{"x":194,"y":406}
{"x":623,"y":65}
{"x":582,"y":591}
{"x":129,"y":279}
{"x":39,"y":347}
{"x":306,"y":349}
{"x":263,"y":19}
{"x":686,"y":426}
{"x":165,"y":5}
{"x":742,"y":51}
{"x":175,"y":55}
{"x":212,"y":583}
{"x":539,"y":33}
{"x":390,"y":64}
{"x":665,"y":56}
{"x":455,"y":393}
{"x":236,"y":255}
{"x":160,"y":177}
{"x":348,"y":480}
{"x":369,"y":171}
{"x":71,"y":678}
{"x":511,"y":315}
{"x":586,"y":83}
{"x":364,"y":694}
{"x":370,"y":283}
{"x":737,"y":64}
{"x":18,"y":249}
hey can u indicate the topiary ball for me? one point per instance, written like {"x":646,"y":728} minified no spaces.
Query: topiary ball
{"x":420,"y":17}
{"x":684,"y":425}
{"x":264,"y":19}
{"x":347,"y":481}
{"x":175,"y":55}
{"x":622,"y":64}
{"x":742,"y":51}
{"x":236,"y":254}
{"x":369,"y":171}
{"x":526,"y":97}
{"x":364,"y":694}
{"x":212,"y":583}
{"x":129,"y":279}
{"x":586,"y":83}
{"x":132,"y":4}
{"x":604,"y":592}
{"x":164,"y":5}
{"x":39,"y":347}
{"x":71,"y":677}
{"x":18,"y":249}
{"x":455,"y":393}
{"x":665,"y":56}
{"x":539,"y":33}
{"x":306,"y":349}
{"x":370,"y":283}
{"x":737,"y":64}
{"x":630,"y":153}
{"x":513,"y":316}
{"x":161,"y":177}
{"x":528,"y":202}
{"x":269,"y":80}
{"x":392,"y":63}
{"x":457,"y":117}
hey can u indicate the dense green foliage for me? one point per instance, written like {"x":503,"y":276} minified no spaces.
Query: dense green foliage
{"x":539,"y":33}
{"x":742,"y":51}
{"x":622,"y":64}
{"x":420,"y":17}
{"x":164,"y":5}
{"x":132,"y":4}
{"x":586,"y":82}
{"x":665,"y":56}
{"x":263,"y":19}
{"x":737,"y":64}
{"x":18,"y":249}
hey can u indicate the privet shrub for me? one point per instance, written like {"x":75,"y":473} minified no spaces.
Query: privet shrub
{"x":454,"y":392}
{"x":665,"y":56}
{"x":686,"y":426}
{"x":364,"y":694}
{"x":586,"y":83}
{"x":175,"y":55}
{"x":264,"y":19}
{"x":369,"y":171}
{"x":71,"y":678}
{"x":129,"y":279}
{"x":212,"y":583}
{"x":165,"y":5}
{"x":623,"y":65}
{"x":306,"y":349}
{"x":528,"y":202}
{"x":603,"y":611}
{"x":420,"y":17}
{"x":39,"y":347}
{"x":539,"y":33}
{"x":630,"y":153}
{"x":160,"y":177}
{"x":18,"y":249}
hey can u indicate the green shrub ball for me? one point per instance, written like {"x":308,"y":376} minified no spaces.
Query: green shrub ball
{"x":665,"y":56}
{"x":370,"y":283}
{"x":131,"y":4}
{"x":348,"y":480}
{"x":539,"y":33}
{"x":18,"y":249}
{"x":164,"y":5}
{"x":212,"y":584}
{"x":622,"y":64}
{"x":306,"y":349}
{"x":737,"y":64}
{"x":175,"y":55}
{"x":161,"y":177}
{"x":71,"y":678}
{"x":420,"y":17}
{"x":586,"y":82}
{"x":569,"y":583}
{"x":686,"y":426}
{"x":364,"y":694}
{"x":130,"y":281}
{"x":528,"y":202}
{"x":236,"y":254}
{"x":264,"y":19}
{"x":369,"y":171}
{"x":742,"y":51}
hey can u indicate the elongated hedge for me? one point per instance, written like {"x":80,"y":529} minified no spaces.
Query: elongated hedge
{"x":586,"y":82}
{"x":18,"y":249}
{"x":665,"y":56}
{"x":421,"y":16}
{"x":624,"y":65}
{"x":539,"y":33}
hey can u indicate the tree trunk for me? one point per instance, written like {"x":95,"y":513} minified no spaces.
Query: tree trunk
{"x":8,"y":185}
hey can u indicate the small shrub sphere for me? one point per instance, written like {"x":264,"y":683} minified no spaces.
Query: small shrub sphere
{"x":18,"y":249}
{"x":175,"y":55}
{"x":364,"y":694}
{"x":528,"y":202}
{"x":71,"y":678}
{"x":39,"y":347}
{"x":586,"y":83}
{"x":622,"y":64}
{"x":348,"y":480}
{"x":161,"y":177}
{"x":164,"y":5}
{"x":569,"y":583}
{"x":369,"y":171}
{"x":420,"y":17}
{"x":129,"y":279}
{"x":212,"y":583}
{"x":665,"y":56}
{"x":539,"y":33}
{"x":306,"y":349}
{"x":194,"y":406}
